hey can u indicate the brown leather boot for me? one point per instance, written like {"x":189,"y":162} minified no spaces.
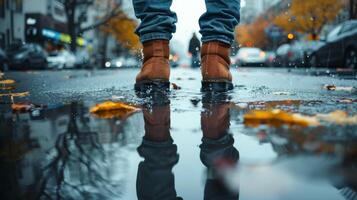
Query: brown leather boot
{"x":215,"y":60}
{"x":155,"y":71}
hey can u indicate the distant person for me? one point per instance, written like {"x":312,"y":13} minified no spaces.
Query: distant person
{"x":194,"y":48}
{"x":157,"y":25}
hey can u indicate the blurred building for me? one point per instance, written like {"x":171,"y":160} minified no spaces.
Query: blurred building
{"x":22,"y":21}
{"x":253,"y":8}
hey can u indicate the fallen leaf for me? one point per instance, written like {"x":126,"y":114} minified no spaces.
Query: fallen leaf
{"x":110,"y":109}
{"x":281,"y":93}
{"x":338,"y":117}
{"x":346,"y":100}
{"x":277,"y":118}
{"x":7,"y":82}
{"x":19,"y":94}
{"x":339,"y":88}
{"x":4,"y":87}
{"x":175,"y":86}
{"x":195,"y":101}
{"x":275,"y":104}
{"x":21,"y":107}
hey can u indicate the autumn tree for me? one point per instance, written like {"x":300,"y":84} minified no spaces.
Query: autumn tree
{"x":253,"y":34}
{"x":309,"y":16}
{"x":76,"y":13}
{"x":122,"y":28}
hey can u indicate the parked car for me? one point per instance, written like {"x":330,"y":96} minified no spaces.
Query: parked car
{"x":270,"y":59}
{"x":122,"y":62}
{"x":339,"y":48}
{"x":61,"y":59}
{"x":3,"y":60}
{"x":27,"y":56}
{"x":296,"y":54}
{"x":82,"y":59}
{"x":248,"y":56}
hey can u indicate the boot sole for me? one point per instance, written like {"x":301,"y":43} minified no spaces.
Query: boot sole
{"x":152,"y":86}
{"x":216,"y":86}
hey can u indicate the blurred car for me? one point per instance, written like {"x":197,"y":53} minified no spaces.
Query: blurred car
{"x":125,"y":62}
{"x":82,"y":59}
{"x":339,"y":48}
{"x":27,"y":56}
{"x":247,"y":56}
{"x":3,"y":60}
{"x":284,"y":55}
{"x":296,"y":54}
{"x":61,"y":59}
{"x":270,"y":58}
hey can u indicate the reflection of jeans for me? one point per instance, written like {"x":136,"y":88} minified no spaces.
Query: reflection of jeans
{"x":155,"y":179}
{"x":158,"y":21}
{"x":211,"y":152}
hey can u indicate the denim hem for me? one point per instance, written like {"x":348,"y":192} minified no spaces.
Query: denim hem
{"x":155,"y":36}
{"x":220,"y":38}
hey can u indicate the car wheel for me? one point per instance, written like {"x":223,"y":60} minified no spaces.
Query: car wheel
{"x":313,"y":61}
{"x":351,"y":59}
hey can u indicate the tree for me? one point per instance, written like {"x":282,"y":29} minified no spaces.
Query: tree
{"x":253,"y":34}
{"x":74,"y":19}
{"x":309,"y":16}
{"x":122,"y":29}
{"x":353,"y":9}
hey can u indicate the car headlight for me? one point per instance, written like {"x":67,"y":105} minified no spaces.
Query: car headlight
{"x":118,"y":63}
{"x":262,"y":54}
{"x":108,"y":64}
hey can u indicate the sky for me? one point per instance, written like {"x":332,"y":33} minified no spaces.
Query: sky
{"x":188,"y":12}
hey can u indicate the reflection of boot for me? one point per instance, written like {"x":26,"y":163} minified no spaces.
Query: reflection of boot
{"x":217,"y":149}
{"x":155,"y":179}
{"x":157,"y":123}
{"x":215,"y":67}
{"x":155,"y":72}
{"x":215,"y":120}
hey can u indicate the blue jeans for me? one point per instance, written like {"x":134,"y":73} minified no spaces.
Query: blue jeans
{"x":158,"y":21}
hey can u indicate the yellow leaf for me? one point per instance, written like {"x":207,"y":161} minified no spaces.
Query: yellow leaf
{"x":110,"y":109}
{"x":338,"y":117}
{"x":277,"y":118}
{"x":7,"y":87}
{"x":175,"y":86}
{"x":19,"y":94}
{"x":7,"y":81}
{"x":339,"y":88}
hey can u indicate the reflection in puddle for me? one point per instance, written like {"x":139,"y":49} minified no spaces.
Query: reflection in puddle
{"x":62,"y":152}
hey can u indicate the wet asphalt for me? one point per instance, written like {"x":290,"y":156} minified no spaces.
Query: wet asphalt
{"x":170,"y":149}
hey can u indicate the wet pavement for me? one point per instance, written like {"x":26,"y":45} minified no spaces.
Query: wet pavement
{"x":185,"y":145}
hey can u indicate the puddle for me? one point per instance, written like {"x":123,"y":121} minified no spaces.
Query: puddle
{"x":63,"y":151}
{"x":190,"y":147}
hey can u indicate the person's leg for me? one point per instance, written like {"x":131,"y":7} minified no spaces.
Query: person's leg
{"x":217,"y":30}
{"x":220,"y":20}
{"x":157,"y":20}
{"x":155,"y":30}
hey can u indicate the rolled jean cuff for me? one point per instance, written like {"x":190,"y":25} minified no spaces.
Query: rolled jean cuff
{"x":155,"y":36}
{"x":220,"y":38}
